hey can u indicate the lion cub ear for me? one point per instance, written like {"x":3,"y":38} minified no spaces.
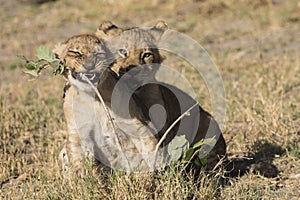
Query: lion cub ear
{"x":107,"y":30}
{"x":159,"y":29}
{"x":161,"y":25}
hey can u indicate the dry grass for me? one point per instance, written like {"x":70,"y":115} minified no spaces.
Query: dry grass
{"x":256,"y":47}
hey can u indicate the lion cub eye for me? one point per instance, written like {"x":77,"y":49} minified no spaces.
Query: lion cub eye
{"x":99,"y":55}
{"x":146,"y":55}
{"x":123,"y":53}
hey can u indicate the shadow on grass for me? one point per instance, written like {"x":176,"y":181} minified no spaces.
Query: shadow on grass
{"x":260,"y":161}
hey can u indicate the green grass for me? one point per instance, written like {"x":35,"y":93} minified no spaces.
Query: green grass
{"x":256,"y":48}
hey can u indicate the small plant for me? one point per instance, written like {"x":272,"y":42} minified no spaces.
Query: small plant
{"x":179,"y":147}
{"x":45,"y":58}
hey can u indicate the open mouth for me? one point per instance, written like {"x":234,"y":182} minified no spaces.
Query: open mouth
{"x":82,"y":76}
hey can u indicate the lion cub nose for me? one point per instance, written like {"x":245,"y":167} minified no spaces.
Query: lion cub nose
{"x":88,"y":67}
{"x":89,"y":64}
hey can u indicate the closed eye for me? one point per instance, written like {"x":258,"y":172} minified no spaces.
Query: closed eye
{"x":74,"y":53}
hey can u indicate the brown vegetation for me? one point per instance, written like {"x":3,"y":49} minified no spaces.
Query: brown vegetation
{"x":255,"y":45}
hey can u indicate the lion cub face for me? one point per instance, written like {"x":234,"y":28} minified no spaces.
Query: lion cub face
{"x":83,"y":54}
{"x":133,"y":47}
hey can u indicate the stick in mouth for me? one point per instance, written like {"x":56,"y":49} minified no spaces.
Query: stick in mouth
{"x":82,"y":76}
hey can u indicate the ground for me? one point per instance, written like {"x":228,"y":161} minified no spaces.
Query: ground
{"x":255,"y":45}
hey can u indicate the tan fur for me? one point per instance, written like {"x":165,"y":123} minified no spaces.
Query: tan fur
{"x":139,"y":134}
{"x":138,"y":41}
{"x":107,"y":30}
{"x":83,"y":113}
{"x":75,"y":52}
{"x":134,"y":46}
{"x":79,"y":50}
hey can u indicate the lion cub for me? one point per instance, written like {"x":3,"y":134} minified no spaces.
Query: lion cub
{"x":126,"y":143}
{"x":82,"y":55}
{"x":136,"y":60}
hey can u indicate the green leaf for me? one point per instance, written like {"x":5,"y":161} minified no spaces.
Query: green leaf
{"x":203,"y":160}
{"x":187,"y":156}
{"x":44,"y":53}
{"x":197,"y":161}
{"x":198,"y":144}
{"x":177,"y":146}
{"x":30,"y":66}
{"x":54,"y":64}
{"x":32,"y":73}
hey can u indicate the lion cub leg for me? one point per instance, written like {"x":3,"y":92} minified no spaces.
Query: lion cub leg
{"x":71,"y":155}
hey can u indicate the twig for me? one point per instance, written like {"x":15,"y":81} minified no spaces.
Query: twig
{"x":172,"y":126}
{"x":169,"y":129}
{"x":109,"y":118}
